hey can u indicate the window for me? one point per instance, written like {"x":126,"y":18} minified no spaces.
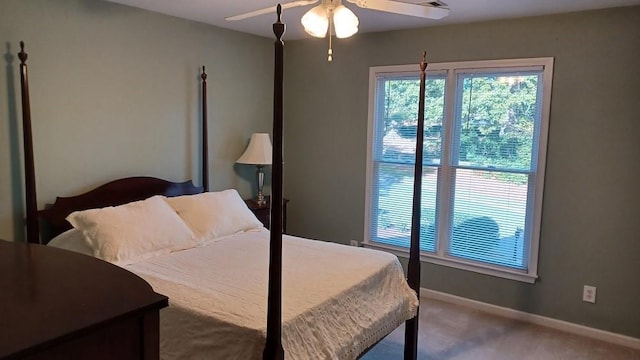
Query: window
{"x":485,"y":135}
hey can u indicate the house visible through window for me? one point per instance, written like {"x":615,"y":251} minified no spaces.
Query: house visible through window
{"x":485,"y":134}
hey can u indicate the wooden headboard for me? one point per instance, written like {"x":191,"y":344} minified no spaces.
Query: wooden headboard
{"x":113,"y":193}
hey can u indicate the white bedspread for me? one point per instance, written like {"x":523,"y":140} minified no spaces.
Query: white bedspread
{"x":337,"y":300}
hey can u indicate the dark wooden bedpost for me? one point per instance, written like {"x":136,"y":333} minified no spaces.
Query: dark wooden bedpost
{"x":273,"y":347}
{"x":413,"y":272}
{"x":205,"y":134}
{"x":33,"y":233}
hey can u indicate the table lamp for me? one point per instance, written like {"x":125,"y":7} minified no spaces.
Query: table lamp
{"x":258,"y":153}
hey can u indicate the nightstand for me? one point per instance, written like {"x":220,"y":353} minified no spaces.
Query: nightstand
{"x":263,"y":212}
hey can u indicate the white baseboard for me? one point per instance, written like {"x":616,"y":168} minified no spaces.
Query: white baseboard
{"x":566,"y":326}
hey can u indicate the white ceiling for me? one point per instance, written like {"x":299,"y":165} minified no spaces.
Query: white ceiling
{"x":214,"y":11}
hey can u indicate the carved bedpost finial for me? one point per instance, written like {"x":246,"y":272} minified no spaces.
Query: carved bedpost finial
{"x":423,"y":63}
{"x":204,"y":74}
{"x":278,"y":26}
{"x":22,"y":55}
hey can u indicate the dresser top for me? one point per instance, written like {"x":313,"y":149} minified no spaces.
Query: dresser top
{"x":48,"y":294}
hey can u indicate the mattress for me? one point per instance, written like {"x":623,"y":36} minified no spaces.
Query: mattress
{"x":337,"y":300}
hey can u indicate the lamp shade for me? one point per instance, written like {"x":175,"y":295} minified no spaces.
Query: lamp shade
{"x":258,"y":152}
{"x":316,"y":22}
{"x":345,"y":22}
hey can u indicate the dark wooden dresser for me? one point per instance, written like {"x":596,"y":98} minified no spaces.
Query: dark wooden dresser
{"x":56,"y":304}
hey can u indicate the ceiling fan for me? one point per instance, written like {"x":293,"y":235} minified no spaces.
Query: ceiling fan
{"x":332,"y":15}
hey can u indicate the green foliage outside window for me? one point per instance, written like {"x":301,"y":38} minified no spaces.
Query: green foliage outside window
{"x":496,"y":117}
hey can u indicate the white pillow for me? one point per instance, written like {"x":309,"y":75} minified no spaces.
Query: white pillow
{"x":73,"y":240}
{"x":215,"y":214}
{"x":132,"y":232}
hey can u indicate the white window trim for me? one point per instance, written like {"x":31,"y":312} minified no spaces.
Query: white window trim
{"x":440,"y":258}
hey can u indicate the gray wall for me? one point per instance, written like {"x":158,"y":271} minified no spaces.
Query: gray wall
{"x":590,"y":232}
{"x":115,"y":93}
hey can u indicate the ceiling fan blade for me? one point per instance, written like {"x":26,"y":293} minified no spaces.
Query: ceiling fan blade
{"x":271,"y":9}
{"x":397,"y":7}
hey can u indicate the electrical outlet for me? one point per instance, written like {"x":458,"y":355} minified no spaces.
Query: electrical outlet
{"x":589,"y":294}
{"x":355,"y":243}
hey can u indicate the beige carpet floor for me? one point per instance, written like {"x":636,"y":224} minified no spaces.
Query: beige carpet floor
{"x":452,"y":332}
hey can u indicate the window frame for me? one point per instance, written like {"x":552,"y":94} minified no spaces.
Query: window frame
{"x":451,"y":70}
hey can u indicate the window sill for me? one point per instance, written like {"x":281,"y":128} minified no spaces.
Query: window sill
{"x":458,"y":263}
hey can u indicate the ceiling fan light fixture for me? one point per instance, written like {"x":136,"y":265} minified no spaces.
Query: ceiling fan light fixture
{"x":345,"y":22}
{"x":316,"y":22}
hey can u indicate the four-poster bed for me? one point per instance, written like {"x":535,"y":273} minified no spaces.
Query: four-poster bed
{"x":335,"y":310}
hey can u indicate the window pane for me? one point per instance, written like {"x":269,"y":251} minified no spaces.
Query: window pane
{"x":496,"y":119}
{"x":392,"y":215}
{"x":399,"y":111}
{"x":489,"y":210}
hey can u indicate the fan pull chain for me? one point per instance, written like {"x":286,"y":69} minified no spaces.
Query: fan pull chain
{"x":330,"y":51}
